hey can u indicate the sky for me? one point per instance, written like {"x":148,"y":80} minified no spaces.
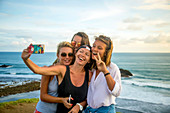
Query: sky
{"x":133,"y":25}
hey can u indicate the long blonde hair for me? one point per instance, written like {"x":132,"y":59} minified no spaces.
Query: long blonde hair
{"x":108,"y":50}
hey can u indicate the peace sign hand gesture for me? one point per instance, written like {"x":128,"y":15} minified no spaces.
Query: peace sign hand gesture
{"x":100,"y":64}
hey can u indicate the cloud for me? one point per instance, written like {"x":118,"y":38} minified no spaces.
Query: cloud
{"x":153,"y":39}
{"x":22,"y":41}
{"x":98,"y":14}
{"x":24,"y":37}
{"x":133,"y":20}
{"x":163,"y":24}
{"x":155,"y":4}
{"x":139,"y":23}
{"x":4,"y":14}
{"x":134,"y":27}
{"x":161,"y":38}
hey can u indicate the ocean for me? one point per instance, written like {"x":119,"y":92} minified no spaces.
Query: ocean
{"x":148,"y":91}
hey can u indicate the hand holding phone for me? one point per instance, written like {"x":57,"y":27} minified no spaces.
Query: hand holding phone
{"x":36,"y":48}
{"x":69,"y":100}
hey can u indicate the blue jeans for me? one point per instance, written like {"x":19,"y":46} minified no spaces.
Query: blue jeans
{"x":103,"y":109}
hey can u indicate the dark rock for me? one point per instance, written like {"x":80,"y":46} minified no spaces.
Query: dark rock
{"x":125,"y":73}
{"x":5,"y":65}
{"x":20,"y":88}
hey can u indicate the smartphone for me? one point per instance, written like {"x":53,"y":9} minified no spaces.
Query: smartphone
{"x":36,"y":48}
{"x":69,"y":100}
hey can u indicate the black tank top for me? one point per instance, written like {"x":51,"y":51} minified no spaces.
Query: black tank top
{"x":66,"y":88}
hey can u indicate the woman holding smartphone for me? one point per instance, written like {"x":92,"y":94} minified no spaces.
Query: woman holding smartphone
{"x":77,"y":75}
{"x":49,"y":84}
{"x":105,"y":83}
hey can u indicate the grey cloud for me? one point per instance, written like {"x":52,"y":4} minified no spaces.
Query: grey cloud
{"x":163,"y":24}
{"x":133,"y":20}
{"x":134,"y":28}
{"x":161,"y":38}
{"x":23,"y":36}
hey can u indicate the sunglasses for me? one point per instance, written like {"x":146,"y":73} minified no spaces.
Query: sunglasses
{"x":64,"y":54}
{"x":73,"y":43}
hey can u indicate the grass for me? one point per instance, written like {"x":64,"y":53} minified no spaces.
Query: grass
{"x":32,"y":100}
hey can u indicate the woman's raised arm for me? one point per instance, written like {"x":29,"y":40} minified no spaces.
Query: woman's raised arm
{"x":53,"y":70}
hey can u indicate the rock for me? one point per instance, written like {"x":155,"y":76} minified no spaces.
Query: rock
{"x":20,"y":88}
{"x":5,"y":65}
{"x":125,"y":73}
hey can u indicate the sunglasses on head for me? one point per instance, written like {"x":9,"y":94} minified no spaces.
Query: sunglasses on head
{"x":65,"y":54}
{"x":73,"y":43}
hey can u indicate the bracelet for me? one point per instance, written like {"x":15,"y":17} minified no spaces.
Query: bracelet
{"x":81,"y":107}
{"x":106,"y":74}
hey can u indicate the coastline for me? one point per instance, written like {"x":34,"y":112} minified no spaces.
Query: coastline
{"x":32,"y":86}
{"x":122,"y":106}
{"x":29,"y":105}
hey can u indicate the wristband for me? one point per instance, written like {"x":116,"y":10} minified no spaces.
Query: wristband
{"x":81,"y":107}
{"x":106,"y":74}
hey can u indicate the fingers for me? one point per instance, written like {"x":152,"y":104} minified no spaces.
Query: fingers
{"x":99,"y":56}
{"x":95,"y":58}
{"x":68,"y":105}
{"x":25,"y":50}
{"x":70,"y":111}
{"x":97,"y":61}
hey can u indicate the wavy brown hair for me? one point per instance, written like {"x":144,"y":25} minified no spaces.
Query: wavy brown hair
{"x":84,"y":36}
{"x":108,"y":50}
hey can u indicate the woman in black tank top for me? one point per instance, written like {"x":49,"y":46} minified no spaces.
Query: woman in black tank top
{"x":73,"y":80}
{"x":66,"y":88}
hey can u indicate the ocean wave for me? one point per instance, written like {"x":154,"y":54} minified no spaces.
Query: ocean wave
{"x":142,"y":106}
{"x":13,"y":73}
{"x":149,"y":85}
{"x":152,"y":78}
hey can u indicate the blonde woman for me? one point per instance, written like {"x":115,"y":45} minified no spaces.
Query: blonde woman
{"x":73,"y":80}
{"x":49,"y":84}
{"x":105,"y":83}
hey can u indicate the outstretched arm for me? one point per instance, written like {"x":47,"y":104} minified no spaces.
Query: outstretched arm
{"x":53,"y":70}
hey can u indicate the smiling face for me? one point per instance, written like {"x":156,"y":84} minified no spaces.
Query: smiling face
{"x":98,"y":47}
{"x":77,"y":39}
{"x":82,"y":56}
{"x":65,"y":56}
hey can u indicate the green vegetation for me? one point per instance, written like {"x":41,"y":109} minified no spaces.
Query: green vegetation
{"x":32,"y":100}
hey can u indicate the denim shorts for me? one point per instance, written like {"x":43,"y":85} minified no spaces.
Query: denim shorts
{"x":103,"y":109}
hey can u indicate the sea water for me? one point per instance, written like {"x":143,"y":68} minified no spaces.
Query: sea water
{"x":148,"y":90}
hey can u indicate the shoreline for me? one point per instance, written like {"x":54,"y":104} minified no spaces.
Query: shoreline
{"x":35,"y":85}
{"x":31,"y":90}
{"x":122,"y":106}
{"x":32,"y":86}
{"x":28,"y":105}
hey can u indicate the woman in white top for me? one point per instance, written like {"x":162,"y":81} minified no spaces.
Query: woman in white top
{"x":105,"y":83}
